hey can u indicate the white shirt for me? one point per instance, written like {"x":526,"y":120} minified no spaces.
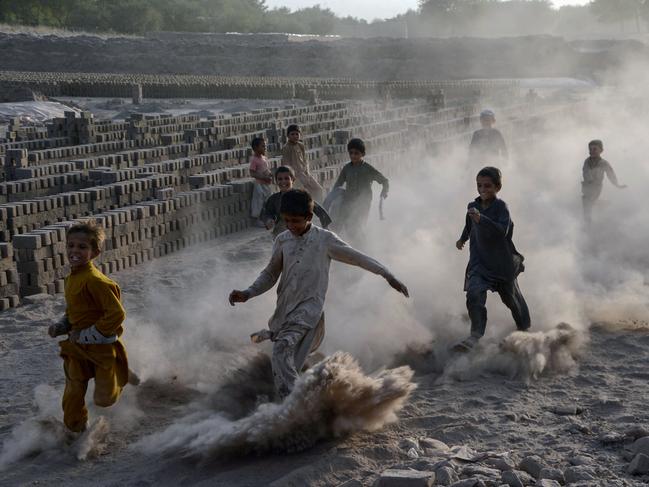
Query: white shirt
{"x":303,"y":263}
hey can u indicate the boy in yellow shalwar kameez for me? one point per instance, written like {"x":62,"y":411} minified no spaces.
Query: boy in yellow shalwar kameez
{"x":93,"y":321}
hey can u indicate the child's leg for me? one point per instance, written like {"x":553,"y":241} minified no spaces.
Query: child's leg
{"x":476,"y":301}
{"x":309,"y":344}
{"x":512,"y":297}
{"x":107,"y":388}
{"x":77,"y":374}
{"x":285,"y":371}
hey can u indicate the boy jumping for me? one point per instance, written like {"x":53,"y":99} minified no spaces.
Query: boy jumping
{"x":302,"y":256}
{"x":93,"y":322}
{"x":494,"y":262}
{"x":593,"y":171}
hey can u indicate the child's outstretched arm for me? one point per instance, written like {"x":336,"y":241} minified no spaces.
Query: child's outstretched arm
{"x":466,"y":233}
{"x":265,"y":281}
{"x":342,"y":252}
{"x":382,"y":180}
{"x":612,"y":177}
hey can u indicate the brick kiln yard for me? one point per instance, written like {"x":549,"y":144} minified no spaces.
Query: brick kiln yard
{"x":173,"y":194}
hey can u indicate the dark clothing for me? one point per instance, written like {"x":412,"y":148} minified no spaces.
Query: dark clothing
{"x":487,"y":145}
{"x":511,"y":296}
{"x":271,"y":212}
{"x":493,"y":255}
{"x":494,"y":264}
{"x":357,"y":199}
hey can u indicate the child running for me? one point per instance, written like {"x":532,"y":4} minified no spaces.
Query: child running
{"x":487,"y":143}
{"x":593,"y":171}
{"x":260,"y":170}
{"x":301,"y":257}
{"x":494,"y":262}
{"x":294,"y":156}
{"x":358,"y":176}
{"x":93,"y":322}
{"x":271,"y":215}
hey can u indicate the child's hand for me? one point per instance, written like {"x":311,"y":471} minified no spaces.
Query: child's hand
{"x":398,"y":285}
{"x":384,"y":194}
{"x":269,"y":224}
{"x":51,"y":331}
{"x":73,"y":336}
{"x":460,"y":244}
{"x":474,"y":214}
{"x":238,"y":297}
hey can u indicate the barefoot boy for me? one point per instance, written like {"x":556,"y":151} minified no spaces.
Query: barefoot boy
{"x":302,"y":256}
{"x":93,"y":322}
{"x":594,"y":169}
{"x":494,"y":262}
{"x":358,"y":176}
{"x":271,"y":216}
{"x":260,"y":170}
{"x":294,"y":156}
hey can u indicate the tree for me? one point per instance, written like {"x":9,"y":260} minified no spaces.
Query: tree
{"x":619,"y":11}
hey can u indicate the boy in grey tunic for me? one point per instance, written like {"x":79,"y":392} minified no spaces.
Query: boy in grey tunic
{"x":358,"y":176}
{"x":300,"y":260}
{"x":593,"y":172}
{"x":494,"y":262}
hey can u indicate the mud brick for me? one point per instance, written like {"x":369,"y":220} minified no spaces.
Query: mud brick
{"x":27,"y":241}
{"x":14,"y":301}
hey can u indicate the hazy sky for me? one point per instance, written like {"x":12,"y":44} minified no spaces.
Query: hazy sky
{"x":372,"y":9}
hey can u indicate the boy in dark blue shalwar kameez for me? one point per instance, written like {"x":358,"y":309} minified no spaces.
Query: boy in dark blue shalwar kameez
{"x":494,"y":262}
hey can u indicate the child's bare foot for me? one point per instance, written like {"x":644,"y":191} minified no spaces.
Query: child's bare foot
{"x":260,"y":336}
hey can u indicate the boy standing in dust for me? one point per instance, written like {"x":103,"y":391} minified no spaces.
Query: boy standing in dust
{"x":487,"y":143}
{"x":593,"y":171}
{"x":294,"y":156}
{"x":302,"y":256}
{"x":358,"y":176}
{"x":93,"y":322}
{"x":494,"y":262}
{"x":260,"y":170}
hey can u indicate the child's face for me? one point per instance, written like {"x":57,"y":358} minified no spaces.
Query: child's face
{"x":355,"y":155}
{"x":297,"y":224}
{"x":80,"y":250}
{"x":487,"y":122}
{"x":595,"y":150}
{"x":260,"y":149}
{"x":294,"y":136}
{"x":486,"y":188}
{"x":284,"y":181}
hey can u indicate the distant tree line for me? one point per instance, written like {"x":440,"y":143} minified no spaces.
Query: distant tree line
{"x":432,"y":18}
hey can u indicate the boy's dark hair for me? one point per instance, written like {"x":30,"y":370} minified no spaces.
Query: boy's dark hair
{"x":256,"y":142}
{"x":93,"y":231}
{"x":356,"y":144}
{"x":493,"y":173}
{"x":296,"y":202}
{"x":596,"y":142}
{"x":285,"y":169}
{"x":293,"y":128}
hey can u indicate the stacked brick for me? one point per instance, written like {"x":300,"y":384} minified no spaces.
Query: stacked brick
{"x":9,"y":284}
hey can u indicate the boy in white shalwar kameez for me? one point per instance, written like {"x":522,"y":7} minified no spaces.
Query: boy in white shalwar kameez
{"x":300,"y":260}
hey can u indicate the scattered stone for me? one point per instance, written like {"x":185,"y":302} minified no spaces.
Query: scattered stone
{"x":511,"y":479}
{"x":552,"y":474}
{"x":472,"y":470}
{"x":636,"y":432}
{"x":409,"y":443}
{"x":567,"y":410}
{"x":433,"y":444}
{"x":351,"y":483}
{"x":612,"y":438}
{"x":412,"y":453}
{"x":639,"y":465}
{"x":547,"y":483}
{"x":580,"y":460}
{"x":578,"y":473}
{"x":405,"y":478}
{"x":463,"y":453}
{"x":446,"y":476}
{"x":501,"y":463}
{"x":532,"y":465}
{"x":641,"y":445}
{"x":512,"y":417}
{"x":473,"y":482}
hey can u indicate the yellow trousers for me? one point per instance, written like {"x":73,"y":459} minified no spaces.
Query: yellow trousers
{"x":106,"y":364}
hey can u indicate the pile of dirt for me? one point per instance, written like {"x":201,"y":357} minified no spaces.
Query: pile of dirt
{"x":262,"y":55}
